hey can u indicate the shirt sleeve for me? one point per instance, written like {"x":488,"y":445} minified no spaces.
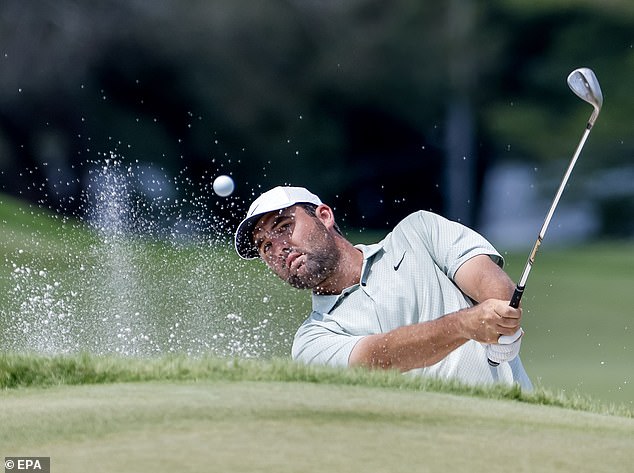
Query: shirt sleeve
{"x":323,"y":342}
{"x":450,"y":243}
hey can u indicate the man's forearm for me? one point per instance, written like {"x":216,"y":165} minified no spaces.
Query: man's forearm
{"x":412,"y":346}
{"x":426,"y":343}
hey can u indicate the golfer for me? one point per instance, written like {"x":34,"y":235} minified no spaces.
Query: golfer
{"x":428,"y":299}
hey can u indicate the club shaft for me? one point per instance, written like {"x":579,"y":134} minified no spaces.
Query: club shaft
{"x":519,"y":290}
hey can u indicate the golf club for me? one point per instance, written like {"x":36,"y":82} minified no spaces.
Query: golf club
{"x":585,"y":85}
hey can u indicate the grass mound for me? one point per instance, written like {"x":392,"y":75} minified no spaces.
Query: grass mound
{"x":23,"y":370}
{"x":104,"y":414}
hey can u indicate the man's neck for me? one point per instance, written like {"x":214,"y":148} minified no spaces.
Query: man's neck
{"x":348,"y":271}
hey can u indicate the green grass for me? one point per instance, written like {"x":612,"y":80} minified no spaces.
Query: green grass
{"x":183,"y":414}
{"x":28,"y":371}
{"x":578,"y":319}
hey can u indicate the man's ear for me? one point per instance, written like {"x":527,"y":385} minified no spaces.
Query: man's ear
{"x":326,"y":215}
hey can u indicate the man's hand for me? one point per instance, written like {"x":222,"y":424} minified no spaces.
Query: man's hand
{"x":481,"y":279}
{"x":485,"y":322}
{"x":502,"y":353}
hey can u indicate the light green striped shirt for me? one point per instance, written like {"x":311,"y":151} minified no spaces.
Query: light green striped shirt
{"x":405,"y":279}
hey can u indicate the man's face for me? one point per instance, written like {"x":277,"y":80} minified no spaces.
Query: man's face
{"x":296,"y":246}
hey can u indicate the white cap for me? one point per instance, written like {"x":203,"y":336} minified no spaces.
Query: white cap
{"x":277,"y":198}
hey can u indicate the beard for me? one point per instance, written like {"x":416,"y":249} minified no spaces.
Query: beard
{"x":319,"y":263}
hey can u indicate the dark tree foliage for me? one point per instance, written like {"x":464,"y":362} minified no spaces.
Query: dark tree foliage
{"x":348,"y":98}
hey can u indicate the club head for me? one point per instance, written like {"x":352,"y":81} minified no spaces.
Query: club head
{"x":585,"y":85}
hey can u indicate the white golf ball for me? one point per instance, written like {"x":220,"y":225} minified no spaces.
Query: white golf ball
{"x":223,"y":186}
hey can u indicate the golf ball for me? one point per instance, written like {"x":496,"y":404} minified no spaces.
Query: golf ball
{"x":223,"y":186}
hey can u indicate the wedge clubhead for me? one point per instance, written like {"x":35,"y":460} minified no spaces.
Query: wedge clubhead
{"x":585,"y":85}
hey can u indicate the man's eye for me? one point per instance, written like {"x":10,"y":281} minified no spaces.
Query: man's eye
{"x":266,"y":248}
{"x":277,"y":231}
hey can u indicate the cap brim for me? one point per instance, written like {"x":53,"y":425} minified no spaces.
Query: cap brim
{"x":244,"y":238}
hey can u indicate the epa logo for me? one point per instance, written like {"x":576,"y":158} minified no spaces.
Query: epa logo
{"x":27,"y":464}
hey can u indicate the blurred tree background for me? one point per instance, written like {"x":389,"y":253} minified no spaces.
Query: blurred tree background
{"x":379,"y":107}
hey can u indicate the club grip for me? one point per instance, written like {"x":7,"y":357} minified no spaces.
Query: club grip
{"x":517,"y":296}
{"x":515,"y":303}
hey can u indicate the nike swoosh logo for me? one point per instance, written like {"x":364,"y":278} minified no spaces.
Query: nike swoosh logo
{"x":398,"y":265}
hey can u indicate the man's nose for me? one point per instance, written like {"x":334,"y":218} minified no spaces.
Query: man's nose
{"x":280,"y":248}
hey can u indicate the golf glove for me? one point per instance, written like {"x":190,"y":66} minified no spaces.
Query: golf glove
{"x":500,"y":353}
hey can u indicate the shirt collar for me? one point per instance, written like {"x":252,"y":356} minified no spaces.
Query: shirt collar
{"x":368,"y":252}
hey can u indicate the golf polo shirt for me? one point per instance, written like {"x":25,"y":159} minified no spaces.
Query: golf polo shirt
{"x":406,"y":278}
